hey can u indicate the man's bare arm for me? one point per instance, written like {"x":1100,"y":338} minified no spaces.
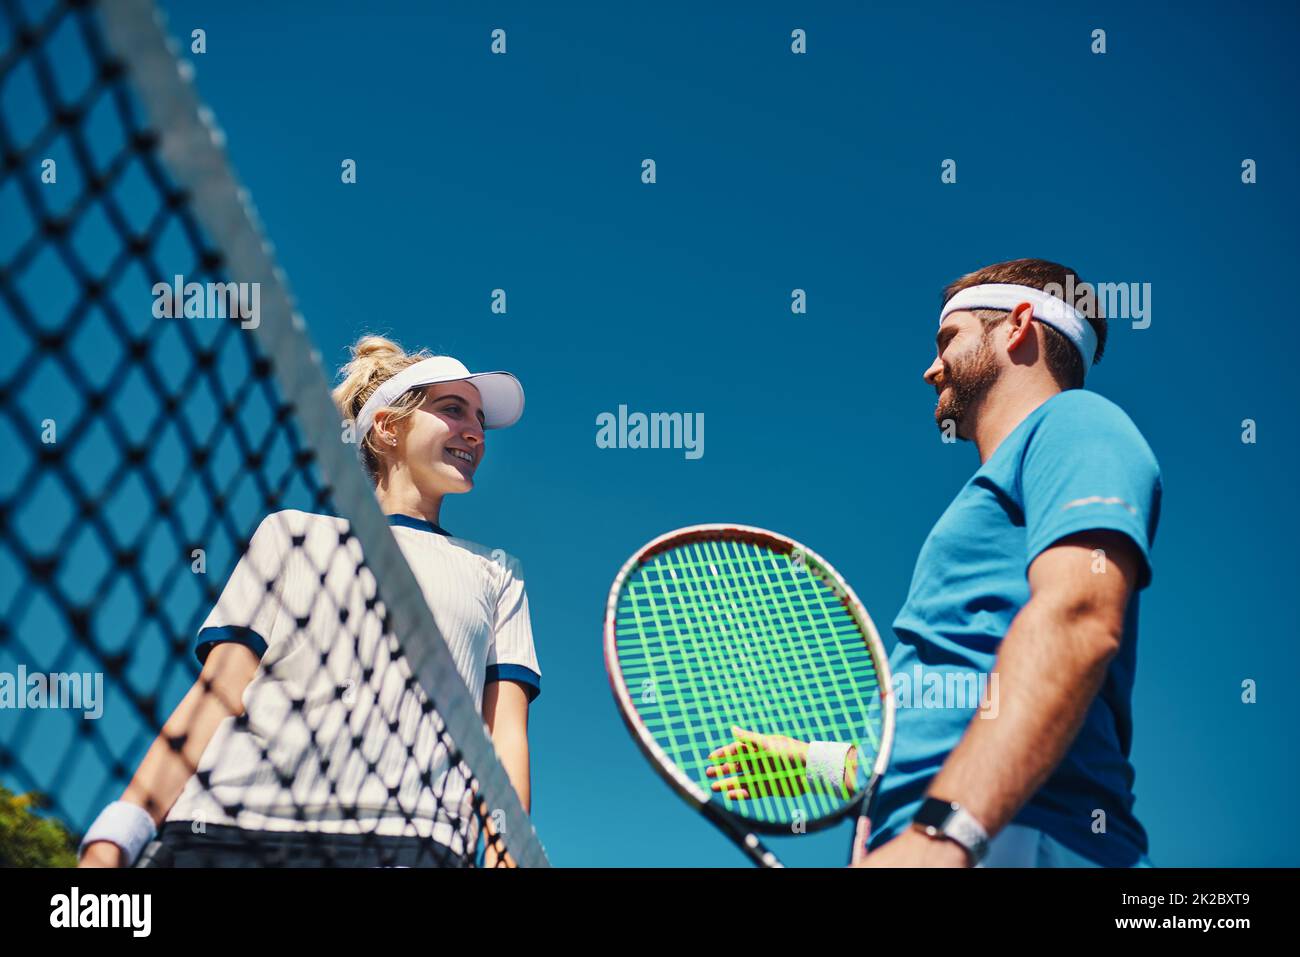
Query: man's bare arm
{"x":1050,"y":666}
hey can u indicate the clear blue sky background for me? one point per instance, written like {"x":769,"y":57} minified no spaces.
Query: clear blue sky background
{"x":821,"y":172}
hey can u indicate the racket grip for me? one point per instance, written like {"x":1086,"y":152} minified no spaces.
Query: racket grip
{"x":861,"y":834}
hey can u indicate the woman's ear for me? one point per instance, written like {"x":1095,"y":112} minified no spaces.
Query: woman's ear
{"x":384,"y":434}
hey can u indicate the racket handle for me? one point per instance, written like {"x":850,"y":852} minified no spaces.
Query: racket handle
{"x":745,"y":839}
{"x":757,"y":852}
{"x":861,"y":834}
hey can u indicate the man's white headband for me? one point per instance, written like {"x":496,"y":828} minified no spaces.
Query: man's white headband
{"x":1057,"y":313}
{"x":503,"y":396}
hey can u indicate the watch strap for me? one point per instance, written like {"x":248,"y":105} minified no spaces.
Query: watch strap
{"x":948,"y":819}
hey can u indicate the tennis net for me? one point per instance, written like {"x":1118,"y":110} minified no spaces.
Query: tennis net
{"x":176,"y":468}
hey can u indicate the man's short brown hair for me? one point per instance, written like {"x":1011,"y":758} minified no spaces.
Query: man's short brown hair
{"x":1063,"y":359}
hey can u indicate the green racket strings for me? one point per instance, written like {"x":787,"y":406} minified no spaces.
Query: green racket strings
{"x":718,"y":634}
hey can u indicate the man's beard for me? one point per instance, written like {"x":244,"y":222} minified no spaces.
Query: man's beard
{"x":969,"y":380}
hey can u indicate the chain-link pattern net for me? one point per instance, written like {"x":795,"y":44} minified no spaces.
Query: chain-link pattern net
{"x":142,"y":453}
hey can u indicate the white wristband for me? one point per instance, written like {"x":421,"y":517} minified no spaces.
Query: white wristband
{"x":127,"y":825}
{"x":825,"y":765}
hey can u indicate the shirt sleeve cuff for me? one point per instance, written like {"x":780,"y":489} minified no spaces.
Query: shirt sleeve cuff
{"x":209,"y":638}
{"x":1089,"y":523}
{"x":527,"y":677}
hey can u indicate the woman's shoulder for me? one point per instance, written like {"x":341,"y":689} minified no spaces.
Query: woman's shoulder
{"x":497,"y":558}
{"x":294,"y":527}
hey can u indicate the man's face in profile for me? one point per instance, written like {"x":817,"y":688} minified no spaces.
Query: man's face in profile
{"x":965,"y":367}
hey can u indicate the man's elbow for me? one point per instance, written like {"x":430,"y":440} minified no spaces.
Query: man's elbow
{"x":1102,"y":642}
{"x":1094,"y":636}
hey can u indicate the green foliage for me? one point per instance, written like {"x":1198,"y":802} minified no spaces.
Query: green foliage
{"x":29,"y":840}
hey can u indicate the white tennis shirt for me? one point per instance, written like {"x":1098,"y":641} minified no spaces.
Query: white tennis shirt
{"x":337,"y":735}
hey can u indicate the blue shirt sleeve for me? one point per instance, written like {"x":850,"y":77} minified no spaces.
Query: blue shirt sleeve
{"x":1087,"y":467}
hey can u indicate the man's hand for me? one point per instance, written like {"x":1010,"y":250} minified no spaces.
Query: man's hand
{"x":759,"y":765}
{"x":914,"y":849}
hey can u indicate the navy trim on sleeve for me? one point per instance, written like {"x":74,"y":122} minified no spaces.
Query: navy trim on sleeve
{"x":527,"y":677}
{"x":209,"y":638}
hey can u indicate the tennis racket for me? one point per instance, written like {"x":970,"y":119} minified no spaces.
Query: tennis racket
{"x":739,"y":659}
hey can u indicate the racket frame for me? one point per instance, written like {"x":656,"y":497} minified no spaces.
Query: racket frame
{"x":741,"y":829}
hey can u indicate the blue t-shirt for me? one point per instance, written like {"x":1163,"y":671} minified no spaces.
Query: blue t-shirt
{"x":1075,"y":463}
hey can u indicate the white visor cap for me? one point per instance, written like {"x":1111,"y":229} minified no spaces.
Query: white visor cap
{"x":503,"y":396}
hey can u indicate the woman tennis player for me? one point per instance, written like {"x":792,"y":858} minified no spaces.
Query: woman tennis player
{"x":306,"y":740}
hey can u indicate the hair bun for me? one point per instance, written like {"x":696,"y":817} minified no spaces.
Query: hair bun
{"x":375,"y":359}
{"x":376,"y":348}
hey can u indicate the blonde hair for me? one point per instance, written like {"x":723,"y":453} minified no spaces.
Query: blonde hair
{"x":374,"y":361}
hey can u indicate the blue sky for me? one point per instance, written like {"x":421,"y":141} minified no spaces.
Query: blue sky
{"x":819,"y":172}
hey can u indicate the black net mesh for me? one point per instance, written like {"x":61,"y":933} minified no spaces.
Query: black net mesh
{"x":159,"y":498}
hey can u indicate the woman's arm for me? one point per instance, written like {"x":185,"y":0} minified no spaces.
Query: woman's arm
{"x":505,"y":709}
{"x":162,"y":775}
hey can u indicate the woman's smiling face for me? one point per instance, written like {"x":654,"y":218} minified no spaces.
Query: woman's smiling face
{"x":442,"y":443}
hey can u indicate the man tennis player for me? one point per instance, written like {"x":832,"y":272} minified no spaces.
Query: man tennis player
{"x":1032,"y":573}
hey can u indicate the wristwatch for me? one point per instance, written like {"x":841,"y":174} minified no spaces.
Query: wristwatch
{"x":948,"y":819}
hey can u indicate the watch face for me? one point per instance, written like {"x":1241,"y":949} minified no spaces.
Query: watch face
{"x":933,"y":813}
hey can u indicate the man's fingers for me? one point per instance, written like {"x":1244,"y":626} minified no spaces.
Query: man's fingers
{"x":732,"y":749}
{"x":725,"y":751}
{"x":753,"y":762}
{"x":734,"y":788}
{"x":747,"y":766}
{"x":736,"y":747}
{"x":744,"y":735}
